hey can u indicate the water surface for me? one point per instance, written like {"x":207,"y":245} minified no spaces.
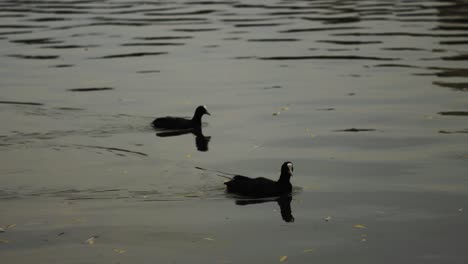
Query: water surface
{"x":366,"y":98}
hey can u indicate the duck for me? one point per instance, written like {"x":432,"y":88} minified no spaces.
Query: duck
{"x":180,"y":123}
{"x":262,"y":187}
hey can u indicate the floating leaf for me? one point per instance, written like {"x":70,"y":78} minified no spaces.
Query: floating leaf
{"x":209,"y":238}
{"x":283,"y":258}
{"x":285,"y":108}
{"x":2,"y":230}
{"x":359,"y":226}
{"x":276,"y":113}
{"x":189,"y":156}
{"x":327,"y":218}
{"x":308,"y":250}
{"x":91,"y":240}
{"x":4,"y":241}
{"x":119,"y":251}
{"x":10,"y":226}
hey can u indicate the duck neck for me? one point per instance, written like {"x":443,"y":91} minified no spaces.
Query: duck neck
{"x":284,"y":178}
{"x":197,"y":118}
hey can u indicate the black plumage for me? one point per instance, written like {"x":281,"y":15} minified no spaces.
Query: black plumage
{"x":180,"y":123}
{"x":262,"y":187}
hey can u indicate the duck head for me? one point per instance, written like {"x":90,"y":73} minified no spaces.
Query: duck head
{"x":286,"y":171}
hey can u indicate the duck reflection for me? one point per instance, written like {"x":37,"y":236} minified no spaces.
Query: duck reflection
{"x":284,"y":203}
{"x":201,"y":141}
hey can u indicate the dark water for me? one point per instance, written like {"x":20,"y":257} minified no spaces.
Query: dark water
{"x":366,"y":98}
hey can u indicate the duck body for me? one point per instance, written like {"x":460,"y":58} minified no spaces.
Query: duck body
{"x":257,"y":187}
{"x":174,"y":123}
{"x":262,"y":187}
{"x":180,"y":123}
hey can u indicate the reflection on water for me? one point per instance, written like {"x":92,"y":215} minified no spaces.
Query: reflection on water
{"x":284,"y":203}
{"x":201,"y":141}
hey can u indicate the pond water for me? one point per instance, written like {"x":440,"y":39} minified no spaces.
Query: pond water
{"x":368,"y":99}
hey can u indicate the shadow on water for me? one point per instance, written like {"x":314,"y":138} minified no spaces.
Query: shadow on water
{"x":201,"y":141}
{"x":284,"y":203}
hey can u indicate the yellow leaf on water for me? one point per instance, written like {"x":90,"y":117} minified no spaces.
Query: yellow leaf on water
{"x":284,"y":108}
{"x":4,"y":241}
{"x":359,"y":226}
{"x":120,"y":251}
{"x":283,"y":258}
{"x":10,"y":226}
{"x":209,"y":238}
{"x":308,"y":250}
{"x":90,"y":241}
{"x":189,"y":156}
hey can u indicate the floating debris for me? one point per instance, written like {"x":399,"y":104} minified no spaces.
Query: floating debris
{"x":308,"y":250}
{"x":363,"y":238}
{"x":283,"y":258}
{"x":209,"y":238}
{"x":119,"y":251}
{"x":91,"y":240}
{"x":4,"y":241}
{"x":327,"y":218}
{"x":359,"y":226}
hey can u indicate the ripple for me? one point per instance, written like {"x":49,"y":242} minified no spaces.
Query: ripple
{"x":350,"y":42}
{"x":195,"y":29}
{"x":327,"y":57}
{"x":461,"y":57}
{"x":15,"y":32}
{"x":34,"y":57}
{"x":465,"y":131}
{"x":20,"y":103}
{"x":36,"y":41}
{"x":454,"y":113}
{"x":61,"y":66}
{"x":153,"y":44}
{"x":407,"y":34}
{"x":70,"y":46}
{"x":259,"y":25}
{"x":134,"y":54}
{"x":90,"y":89}
{"x":318,"y":29}
{"x":356,"y":130}
{"x":274,"y":40}
{"x":163,"y":38}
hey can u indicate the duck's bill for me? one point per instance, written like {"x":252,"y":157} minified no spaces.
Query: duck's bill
{"x":290,"y":166}
{"x":208,"y":113}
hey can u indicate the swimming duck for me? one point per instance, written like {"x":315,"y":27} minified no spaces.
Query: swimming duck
{"x":262,"y":187}
{"x":180,"y":123}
